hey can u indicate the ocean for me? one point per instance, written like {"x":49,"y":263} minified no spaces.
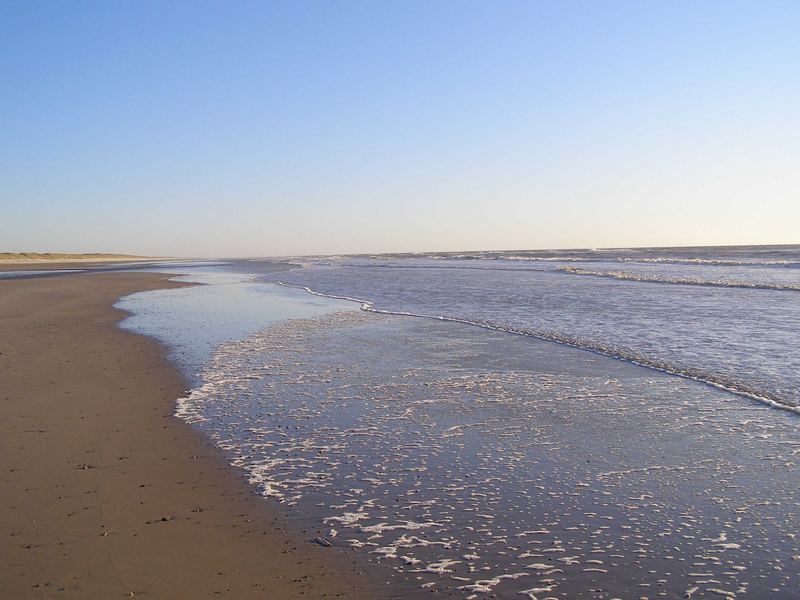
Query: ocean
{"x":539,"y":424}
{"x":727,"y":316}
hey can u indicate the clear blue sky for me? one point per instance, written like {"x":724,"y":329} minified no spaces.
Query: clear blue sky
{"x":271,"y":128}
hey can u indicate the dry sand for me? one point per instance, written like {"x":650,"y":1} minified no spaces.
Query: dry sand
{"x":57,"y":257}
{"x":76,"y":263}
{"x":103,"y":494}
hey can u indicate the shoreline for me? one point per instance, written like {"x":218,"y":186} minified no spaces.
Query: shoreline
{"x":496,"y":464}
{"x":66,"y":264}
{"x":77,"y":258}
{"x":105,"y":492}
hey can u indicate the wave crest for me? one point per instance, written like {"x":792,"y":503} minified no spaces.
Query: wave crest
{"x":626,"y":276}
{"x":735,"y":387}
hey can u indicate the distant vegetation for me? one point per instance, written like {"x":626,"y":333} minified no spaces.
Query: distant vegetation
{"x":59,"y":256}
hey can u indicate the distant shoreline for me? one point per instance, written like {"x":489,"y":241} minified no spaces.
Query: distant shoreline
{"x":70,"y":264}
{"x":57,"y":257}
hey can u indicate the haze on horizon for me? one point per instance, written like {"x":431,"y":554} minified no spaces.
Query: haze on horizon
{"x":285,"y":128}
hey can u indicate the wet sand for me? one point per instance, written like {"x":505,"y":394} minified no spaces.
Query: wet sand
{"x":103,"y":493}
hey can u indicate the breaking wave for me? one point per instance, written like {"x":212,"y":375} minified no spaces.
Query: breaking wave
{"x":626,"y":276}
{"x":735,"y":387}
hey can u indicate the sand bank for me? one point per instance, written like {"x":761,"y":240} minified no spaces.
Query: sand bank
{"x":57,"y":257}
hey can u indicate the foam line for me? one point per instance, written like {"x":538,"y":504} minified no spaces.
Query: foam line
{"x":616,"y":353}
{"x":623,"y":276}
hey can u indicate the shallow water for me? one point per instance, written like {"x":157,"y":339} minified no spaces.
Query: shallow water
{"x":477,"y":462}
{"x":223,"y":306}
{"x":470,"y":462}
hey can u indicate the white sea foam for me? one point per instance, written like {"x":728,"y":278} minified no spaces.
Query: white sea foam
{"x":653,"y":278}
{"x":367,"y":445}
{"x":738,"y":388}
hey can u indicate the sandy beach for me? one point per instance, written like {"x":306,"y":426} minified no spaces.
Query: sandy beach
{"x":392,"y":301}
{"x":75,"y":263}
{"x":104,"y":494}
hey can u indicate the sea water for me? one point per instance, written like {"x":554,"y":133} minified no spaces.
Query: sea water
{"x":726,"y":316}
{"x":470,"y":455}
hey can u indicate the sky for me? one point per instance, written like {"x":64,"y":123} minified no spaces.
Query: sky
{"x":284,"y":128}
